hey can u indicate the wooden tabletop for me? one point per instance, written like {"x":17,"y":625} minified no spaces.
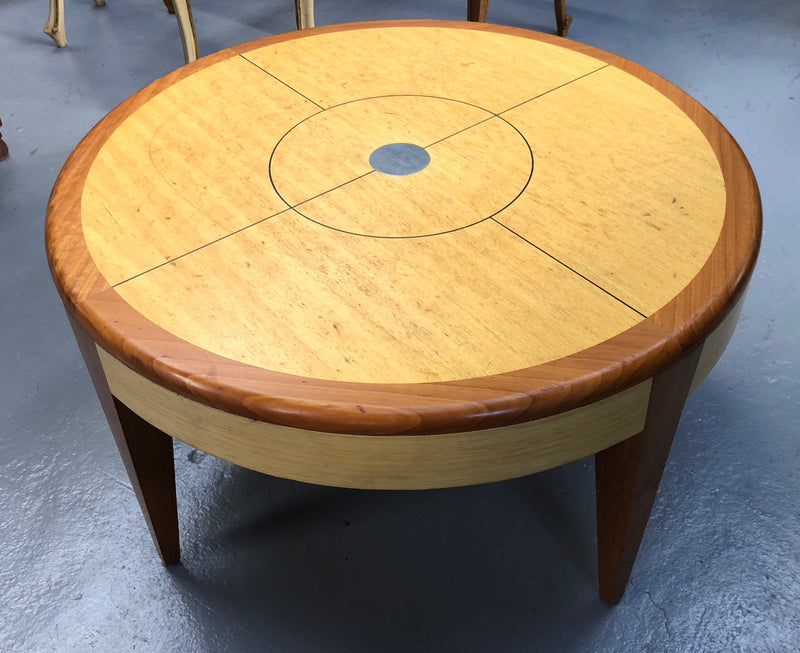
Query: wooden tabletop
{"x":576,"y":225}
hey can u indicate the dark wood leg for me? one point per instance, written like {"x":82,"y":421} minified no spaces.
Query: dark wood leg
{"x":3,"y":146}
{"x":628,"y":475}
{"x":477,"y":9}
{"x":563,"y":21}
{"x":170,"y":7}
{"x":147,"y":455}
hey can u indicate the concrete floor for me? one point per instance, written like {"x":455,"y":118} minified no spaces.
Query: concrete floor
{"x":275,"y":565}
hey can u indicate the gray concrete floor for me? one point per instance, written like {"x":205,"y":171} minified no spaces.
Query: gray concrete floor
{"x":275,"y":565}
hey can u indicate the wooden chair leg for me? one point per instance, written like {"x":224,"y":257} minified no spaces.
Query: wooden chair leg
{"x":3,"y":146}
{"x":477,"y":10}
{"x":304,"y":13}
{"x":628,"y":475}
{"x":146,"y":453}
{"x":183,"y":13}
{"x":170,"y":7}
{"x":54,"y":27}
{"x":563,"y":20}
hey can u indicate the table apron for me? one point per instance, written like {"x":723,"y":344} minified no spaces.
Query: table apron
{"x":383,"y":461}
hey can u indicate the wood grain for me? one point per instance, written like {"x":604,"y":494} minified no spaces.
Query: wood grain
{"x":539,"y":389}
{"x":454,"y":308}
{"x":146,"y":198}
{"x":714,"y":345}
{"x":331,"y":148}
{"x":146,"y":453}
{"x":569,"y":265}
{"x":390,"y":462}
{"x":645,"y":205}
{"x":453,"y":192}
{"x":628,"y":475}
{"x":434,"y":59}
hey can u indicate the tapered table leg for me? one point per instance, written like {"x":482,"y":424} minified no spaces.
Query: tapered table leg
{"x":628,"y":475}
{"x":147,"y":455}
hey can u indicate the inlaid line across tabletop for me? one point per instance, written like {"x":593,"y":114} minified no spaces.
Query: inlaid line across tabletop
{"x":414,"y":212}
{"x":297,"y":206}
{"x":405,"y":255}
{"x":343,"y":193}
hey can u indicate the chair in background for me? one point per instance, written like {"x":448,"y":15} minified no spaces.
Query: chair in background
{"x":476,"y":11}
{"x":304,"y":15}
{"x":303,"y":12}
{"x":54,"y":27}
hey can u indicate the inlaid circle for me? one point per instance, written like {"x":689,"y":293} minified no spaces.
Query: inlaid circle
{"x":401,"y":166}
{"x":399,"y":159}
{"x":224,"y":231}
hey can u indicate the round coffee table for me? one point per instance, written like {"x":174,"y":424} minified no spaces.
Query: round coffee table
{"x":405,"y":255}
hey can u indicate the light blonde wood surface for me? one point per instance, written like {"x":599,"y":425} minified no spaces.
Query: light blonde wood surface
{"x":149,"y":197}
{"x":635,"y":201}
{"x":571,"y":246}
{"x":475,"y":302}
{"x":389,"y":462}
{"x":290,"y":296}
{"x":570,"y":261}
{"x":431,"y":61}
{"x":715,"y":344}
{"x":332,"y":148}
{"x":452,"y":192}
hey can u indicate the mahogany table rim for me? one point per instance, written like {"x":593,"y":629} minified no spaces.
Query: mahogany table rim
{"x":640,"y":353}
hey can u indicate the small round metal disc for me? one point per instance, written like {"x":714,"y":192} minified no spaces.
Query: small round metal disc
{"x":399,"y":159}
